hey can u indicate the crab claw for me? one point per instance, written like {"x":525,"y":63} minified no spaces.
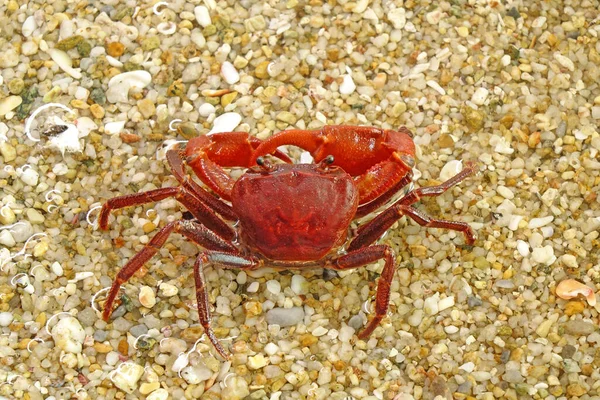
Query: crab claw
{"x":207,"y":154}
{"x":376,"y":158}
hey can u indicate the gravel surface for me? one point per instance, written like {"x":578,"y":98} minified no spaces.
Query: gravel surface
{"x":511,"y":85}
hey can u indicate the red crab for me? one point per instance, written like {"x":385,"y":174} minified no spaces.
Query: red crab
{"x":289,"y":216}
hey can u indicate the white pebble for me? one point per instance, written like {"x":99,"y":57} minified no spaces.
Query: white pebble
{"x":202,"y":16}
{"x":299,"y":285}
{"x":505,"y":192}
{"x":158,"y":394}
{"x":68,"y":334}
{"x":114,"y":127}
{"x":436,"y":86}
{"x":274,"y":286}
{"x":543,"y":255}
{"x":256,"y":362}
{"x":430,"y":305}
{"x":7,"y":239}
{"x":415,"y":318}
{"x":147,"y":297}
{"x":229,"y":73}
{"x":168,"y":290}
{"x":319,"y":331}
{"x":65,"y":63}
{"x":193,"y":375}
{"x":348,"y":86}
{"x":538,"y":22}
{"x":565,"y":62}
{"x":29,"y":26}
{"x":120,"y":85}
{"x":346,"y":333}
{"x":206,"y":110}
{"x":253,"y":287}
{"x":30,"y":177}
{"x":226,"y":123}
{"x":523,"y":248}
{"x":9,"y":103}
{"x":480,"y":96}
{"x":539,"y":222}
{"x":467,"y":367}
{"x":569,"y":260}
{"x":126,"y":376}
{"x":445,"y":303}
{"x":271,"y":349}
{"x":397,"y":17}
{"x":450,"y":329}
{"x":451,"y":168}
{"x":6,"y":318}
{"x":514,"y":221}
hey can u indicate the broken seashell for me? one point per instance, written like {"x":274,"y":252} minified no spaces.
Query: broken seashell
{"x":119,"y":85}
{"x":570,"y":288}
{"x":65,"y":63}
{"x":166,"y":28}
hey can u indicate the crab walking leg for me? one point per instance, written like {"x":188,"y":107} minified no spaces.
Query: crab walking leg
{"x":362,"y":257}
{"x":199,"y":210}
{"x":227,"y":260}
{"x":368,"y":208}
{"x":177,"y":167}
{"x":194,"y":231}
{"x":432,"y":191}
{"x":373,"y":229}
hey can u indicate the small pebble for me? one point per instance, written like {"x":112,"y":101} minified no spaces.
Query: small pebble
{"x":126,"y":376}
{"x":147,"y":297}
{"x":274,"y":286}
{"x":68,"y":334}
{"x":285,"y":316}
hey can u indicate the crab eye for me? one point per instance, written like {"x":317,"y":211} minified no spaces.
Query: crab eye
{"x":409,"y":161}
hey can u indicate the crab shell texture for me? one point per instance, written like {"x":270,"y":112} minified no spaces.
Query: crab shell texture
{"x":294,"y":212}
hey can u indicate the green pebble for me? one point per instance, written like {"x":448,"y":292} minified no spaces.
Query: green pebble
{"x":84,"y":48}
{"x":16,"y":85}
{"x":98,"y":96}
{"x":150,"y":43}
{"x":69,"y":43}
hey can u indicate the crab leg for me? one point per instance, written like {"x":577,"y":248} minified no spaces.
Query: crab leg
{"x":373,"y":229}
{"x":368,"y":208}
{"x":176,"y":164}
{"x":207,"y":155}
{"x":198,"y":209}
{"x":362,"y":257}
{"x":377,"y":158}
{"x":192,"y":230}
{"x":227,"y":260}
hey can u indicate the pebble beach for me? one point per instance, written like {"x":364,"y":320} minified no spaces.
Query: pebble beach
{"x":93,"y":93}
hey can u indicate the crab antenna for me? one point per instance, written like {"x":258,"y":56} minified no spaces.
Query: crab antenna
{"x":264,"y":164}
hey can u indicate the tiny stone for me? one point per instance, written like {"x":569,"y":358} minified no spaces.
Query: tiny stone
{"x":237,"y":388}
{"x":299,"y":284}
{"x":273,"y":286}
{"x":256,"y":362}
{"x":147,"y":297}
{"x":285,"y":316}
{"x":261,"y":71}
{"x":579,"y":328}
{"x":146,"y":108}
{"x":126,"y":376}
{"x":5,"y":318}
{"x":115,"y":49}
{"x":287,"y":117}
{"x":158,"y":394}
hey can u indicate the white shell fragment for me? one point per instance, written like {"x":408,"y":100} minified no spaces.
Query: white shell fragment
{"x":229,"y":73}
{"x":480,"y":96}
{"x":65,"y":63}
{"x":570,"y":288}
{"x":67,"y":141}
{"x":226,"y":123}
{"x":166,"y":28}
{"x":68,"y":334}
{"x":202,"y":16}
{"x":120,"y":85}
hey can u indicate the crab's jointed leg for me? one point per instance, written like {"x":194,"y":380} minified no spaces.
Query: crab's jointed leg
{"x":197,"y":233}
{"x":198,"y":209}
{"x":365,"y":256}
{"x":372,"y":230}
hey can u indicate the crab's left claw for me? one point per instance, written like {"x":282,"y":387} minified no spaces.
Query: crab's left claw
{"x":378,"y":159}
{"x":208,"y":154}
